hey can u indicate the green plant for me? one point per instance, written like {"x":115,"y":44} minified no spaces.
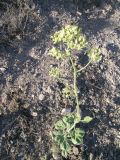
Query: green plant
{"x":54,"y":72}
{"x":44,"y":157}
{"x":65,"y":132}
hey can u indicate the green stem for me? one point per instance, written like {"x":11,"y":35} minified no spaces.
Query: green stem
{"x":73,"y":126}
{"x":75,"y":86}
{"x":83,"y":67}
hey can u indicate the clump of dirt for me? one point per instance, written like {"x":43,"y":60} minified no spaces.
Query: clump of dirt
{"x":15,"y":15}
{"x":30,"y":101}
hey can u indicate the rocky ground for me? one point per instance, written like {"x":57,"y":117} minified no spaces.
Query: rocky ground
{"x":30,"y":101}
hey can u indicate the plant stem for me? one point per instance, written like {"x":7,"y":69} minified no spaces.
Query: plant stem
{"x":75,"y":87}
{"x":83,"y":67}
{"x":72,"y":127}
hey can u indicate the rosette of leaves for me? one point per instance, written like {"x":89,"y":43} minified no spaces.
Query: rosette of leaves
{"x":65,"y":134}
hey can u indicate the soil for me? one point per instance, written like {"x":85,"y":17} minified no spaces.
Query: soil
{"x":30,"y":101}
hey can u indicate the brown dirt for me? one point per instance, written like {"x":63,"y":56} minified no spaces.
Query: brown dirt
{"x":30,"y":101}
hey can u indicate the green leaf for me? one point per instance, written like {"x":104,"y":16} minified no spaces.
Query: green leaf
{"x":69,"y":119}
{"x":77,"y":141}
{"x":60,"y":125}
{"x":64,"y":153}
{"x":65,"y":146}
{"x":77,"y":136}
{"x":87,"y":119}
{"x":57,"y":132}
{"x":59,"y":139}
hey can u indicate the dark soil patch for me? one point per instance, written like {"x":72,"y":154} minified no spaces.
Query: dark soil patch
{"x":30,"y":102}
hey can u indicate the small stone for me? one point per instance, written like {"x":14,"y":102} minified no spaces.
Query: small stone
{"x":18,"y":37}
{"x":33,"y":96}
{"x":65,"y":111}
{"x":39,"y":139}
{"x":41,"y":97}
{"x":54,"y":14}
{"x":26,"y":105}
{"x":23,"y":135}
{"x":79,"y":13}
{"x":2,"y":69}
{"x":91,"y":156}
{"x":75,"y":151}
{"x":3,"y":135}
{"x":33,"y":53}
{"x":34,"y":114}
{"x":56,"y":156}
{"x":3,"y":98}
{"x":12,"y":150}
{"x":49,"y":90}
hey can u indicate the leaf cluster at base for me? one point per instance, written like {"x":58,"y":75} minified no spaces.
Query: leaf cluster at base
{"x":65,"y":133}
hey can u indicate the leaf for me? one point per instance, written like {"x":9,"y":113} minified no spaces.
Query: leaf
{"x":87,"y":119}
{"x":57,"y":132}
{"x":60,"y":125}
{"x":65,"y":146}
{"x":77,"y":141}
{"x":59,"y":139}
{"x":69,"y":119}
{"x":64,"y":153}
{"x":77,"y":136}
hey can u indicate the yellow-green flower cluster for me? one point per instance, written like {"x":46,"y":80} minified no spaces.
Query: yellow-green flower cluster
{"x":71,"y":36}
{"x":56,"y":53}
{"x":54,"y":72}
{"x":94,"y":54}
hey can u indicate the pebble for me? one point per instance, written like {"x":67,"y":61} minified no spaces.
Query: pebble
{"x":12,"y":150}
{"x":26,"y":105}
{"x":65,"y":111}
{"x":39,"y":139}
{"x":3,"y":98}
{"x":49,"y":90}
{"x":54,"y":14}
{"x":34,"y":114}
{"x":33,"y":96}
{"x":3,"y":136}
{"x":2,"y":69}
{"x":41,"y":97}
{"x":18,"y":37}
{"x":75,"y":151}
{"x":91,"y":156}
{"x":79,"y":13}
{"x":33,"y":53}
